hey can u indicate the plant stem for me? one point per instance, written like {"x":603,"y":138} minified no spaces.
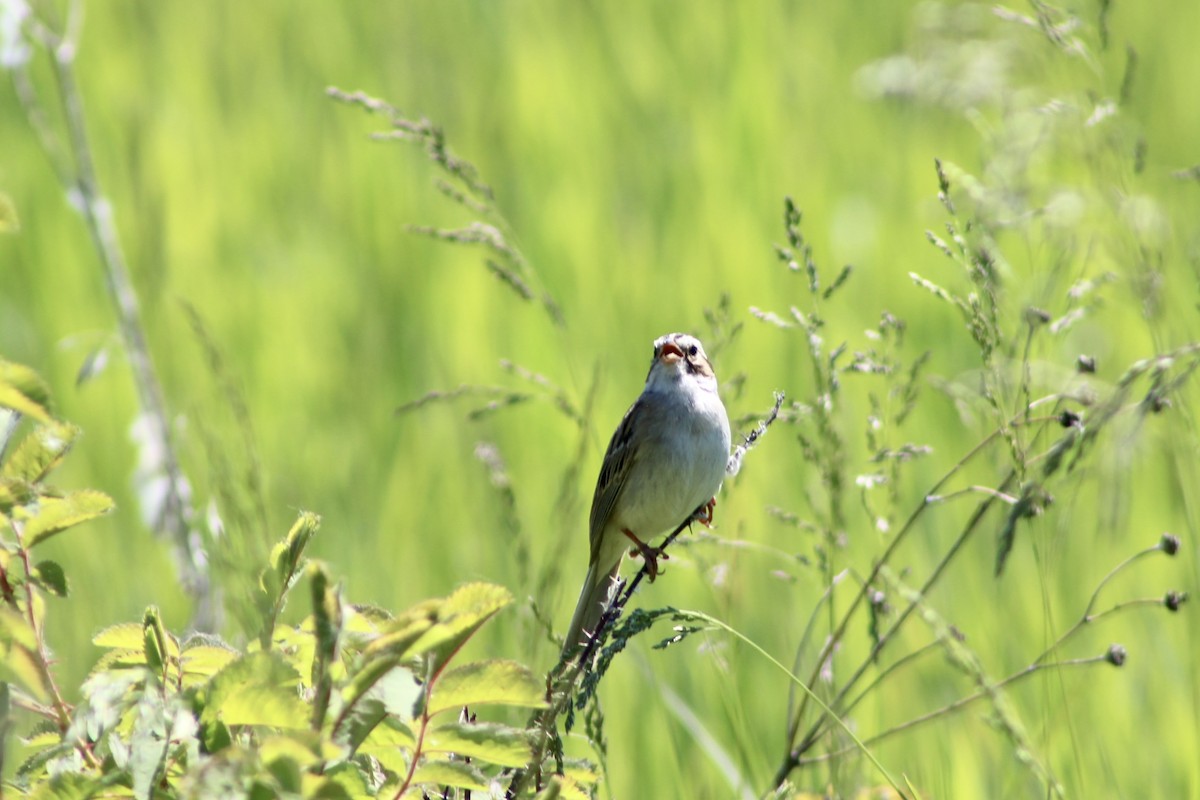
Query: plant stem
{"x":792,"y":759}
{"x":62,"y":711}
{"x":83,"y":187}
{"x":951,"y":707}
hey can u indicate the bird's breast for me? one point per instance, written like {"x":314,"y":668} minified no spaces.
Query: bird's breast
{"x":679,"y":466}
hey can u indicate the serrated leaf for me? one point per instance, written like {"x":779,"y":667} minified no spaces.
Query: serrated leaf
{"x":14,"y":492}
{"x":322,"y":787}
{"x":562,"y":787}
{"x":459,"y":616}
{"x":204,"y":661}
{"x":450,"y":773}
{"x":258,"y":689}
{"x":51,"y":576}
{"x":398,"y":635}
{"x":349,"y":777}
{"x":390,"y":734}
{"x":356,"y":724}
{"x":369,"y":675}
{"x":67,"y":786}
{"x":40,"y":452}
{"x":290,"y":747}
{"x":128,"y":636}
{"x":297,"y":647}
{"x":123,"y":636}
{"x":389,"y":742}
{"x":119,"y":659}
{"x":54,"y":515}
{"x":489,"y":741}
{"x":23,"y":390}
{"x":496,"y":682}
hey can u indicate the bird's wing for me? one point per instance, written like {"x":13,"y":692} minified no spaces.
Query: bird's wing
{"x":614,"y":473}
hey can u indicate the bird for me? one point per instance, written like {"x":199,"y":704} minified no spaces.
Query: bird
{"x":666,"y":462}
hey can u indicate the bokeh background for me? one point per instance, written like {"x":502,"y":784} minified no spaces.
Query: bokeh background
{"x":640,"y":154}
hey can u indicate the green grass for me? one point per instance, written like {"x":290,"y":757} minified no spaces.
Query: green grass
{"x":641,"y":155}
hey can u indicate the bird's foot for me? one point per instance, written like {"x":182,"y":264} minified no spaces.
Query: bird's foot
{"x":649,"y":554}
{"x":704,"y":514}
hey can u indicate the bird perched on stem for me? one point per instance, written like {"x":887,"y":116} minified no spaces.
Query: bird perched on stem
{"x":665,"y":462}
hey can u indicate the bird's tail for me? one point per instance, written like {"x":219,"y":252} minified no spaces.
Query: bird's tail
{"x":592,"y":602}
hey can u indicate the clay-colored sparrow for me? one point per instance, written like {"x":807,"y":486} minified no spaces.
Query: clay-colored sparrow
{"x":666,"y":460}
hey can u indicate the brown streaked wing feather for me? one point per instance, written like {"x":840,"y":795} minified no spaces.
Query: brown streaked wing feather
{"x":613,"y":474}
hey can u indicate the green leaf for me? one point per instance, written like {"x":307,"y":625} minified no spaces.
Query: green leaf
{"x":348,"y":777}
{"x":388,"y":650}
{"x":155,"y":641}
{"x":14,"y":493}
{"x":390,"y":734}
{"x":297,"y":749}
{"x":450,"y":773}
{"x":67,"y":786}
{"x":216,"y":736}
{"x":51,"y":577}
{"x":124,"y":636}
{"x":285,"y":556}
{"x":459,"y":616}
{"x":109,"y":696}
{"x":258,"y":689}
{"x":564,"y":787}
{"x":204,"y":660}
{"x":23,"y":390}
{"x":489,"y":741}
{"x":40,"y":452}
{"x":389,"y":742}
{"x":120,"y":659}
{"x":286,"y":773}
{"x":329,"y":789}
{"x":495,"y":682}
{"x":327,"y":614}
{"x":148,"y":741}
{"x":369,"y":675}
{"x":53,"y":515}
{"x":282,"y":572}
{"x":14,"y":629}
{"x":399,"y":634}
{"x":128,"y":637}
{"x":327,"y":631}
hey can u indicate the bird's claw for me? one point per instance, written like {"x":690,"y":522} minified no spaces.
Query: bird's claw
{"x":649,"y":554}
{"x":704,"y":514}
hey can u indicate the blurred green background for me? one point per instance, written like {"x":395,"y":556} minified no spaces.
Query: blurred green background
{"x":641,"y":154}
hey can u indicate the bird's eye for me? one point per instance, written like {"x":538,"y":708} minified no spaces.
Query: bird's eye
{"x":693,"y":350}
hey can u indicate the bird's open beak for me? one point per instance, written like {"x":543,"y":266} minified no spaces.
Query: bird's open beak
{"x":670,"y":353}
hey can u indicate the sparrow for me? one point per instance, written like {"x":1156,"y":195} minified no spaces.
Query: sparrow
{"x":665,"y":463}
